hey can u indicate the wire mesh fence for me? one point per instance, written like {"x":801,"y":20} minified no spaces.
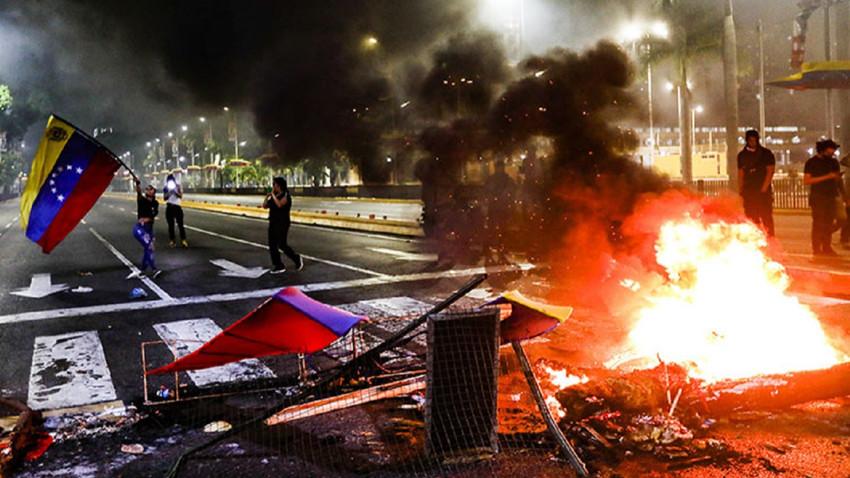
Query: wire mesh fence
{"x":433,"y":394}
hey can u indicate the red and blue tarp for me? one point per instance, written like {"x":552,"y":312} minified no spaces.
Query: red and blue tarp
{"x":288,"y":322}
{"x":524,"y":318}
{"x":69,"y":173}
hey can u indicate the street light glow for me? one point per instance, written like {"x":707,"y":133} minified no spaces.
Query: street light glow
{"x":660,"y":29}
{"x":184,"y":128}
{"x":631,"y":32}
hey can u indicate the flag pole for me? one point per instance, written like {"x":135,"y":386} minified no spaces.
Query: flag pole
{"x":92,"y":138}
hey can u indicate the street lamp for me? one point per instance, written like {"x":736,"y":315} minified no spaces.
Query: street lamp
{"x":632,"y":32}
{"x":236,"y":131}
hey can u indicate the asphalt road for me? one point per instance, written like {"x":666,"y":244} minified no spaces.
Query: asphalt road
{"x":71,"y":335}
{"x":81,"y":342}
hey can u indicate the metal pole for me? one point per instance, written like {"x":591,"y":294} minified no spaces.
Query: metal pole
{"x":730,"y":83}
{"x":761,"y":79}
{"x":568,"y":449}
{"x":651,"y":130}
{"x":827,"y":40}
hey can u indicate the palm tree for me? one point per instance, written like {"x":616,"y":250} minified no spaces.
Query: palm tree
{"x":694,"y":31}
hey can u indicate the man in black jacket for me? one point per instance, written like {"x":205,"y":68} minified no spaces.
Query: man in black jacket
{"x":756,"y":165}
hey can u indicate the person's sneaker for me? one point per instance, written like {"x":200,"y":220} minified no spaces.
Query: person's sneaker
{"x":136,"y":275}
{"x":277,"y":270}
{"x":300,"y":264}
{"x":156,"y":273}
{"x":185,"y":244}
{"x":171,"y":244}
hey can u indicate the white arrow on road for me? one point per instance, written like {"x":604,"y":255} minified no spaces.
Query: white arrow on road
{"x":231,"y":269}
{"x":405,"y":256}
{"x":40,"y":286}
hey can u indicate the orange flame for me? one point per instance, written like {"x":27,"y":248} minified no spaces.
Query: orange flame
{"x":724,"y":309}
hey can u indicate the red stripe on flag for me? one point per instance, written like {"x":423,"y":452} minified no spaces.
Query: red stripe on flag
{"x":91,"y":185}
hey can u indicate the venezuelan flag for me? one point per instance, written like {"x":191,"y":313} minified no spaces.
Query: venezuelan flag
{"x":69,"y":173}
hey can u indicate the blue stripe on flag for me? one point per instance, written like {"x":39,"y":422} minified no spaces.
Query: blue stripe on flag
{"x":72,"y":162}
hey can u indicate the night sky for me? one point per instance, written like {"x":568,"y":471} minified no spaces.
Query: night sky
{"x":295,"y":72}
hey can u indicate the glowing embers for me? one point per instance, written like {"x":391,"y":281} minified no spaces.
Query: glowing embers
{"x":723,"y":310}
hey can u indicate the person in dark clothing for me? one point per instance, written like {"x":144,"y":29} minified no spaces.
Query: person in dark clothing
{"x":823,"y":173}
{"x":148,"y":208}
{"x":845,"y":228}
{"x":173,"y":194}
{"x":279,"y":203}
{"x":500,"y":191}
{"x":756,"y":165}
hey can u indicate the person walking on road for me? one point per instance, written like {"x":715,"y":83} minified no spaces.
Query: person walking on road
{"x":823,"y":173}
{"x":173,"y":194}
{"x":279,"y":204}
{"x":756,"y":165}
{"x":148,"y":208}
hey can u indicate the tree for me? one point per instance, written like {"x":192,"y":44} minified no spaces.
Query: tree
{"x":5,"y":97}
{"x":696,"y":28}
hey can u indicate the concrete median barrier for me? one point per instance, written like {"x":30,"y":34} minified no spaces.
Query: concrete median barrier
{"x":370,"y":223}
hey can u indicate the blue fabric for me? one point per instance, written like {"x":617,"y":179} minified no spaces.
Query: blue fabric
{"x":337,"y":321}
{"x":143,"y":233}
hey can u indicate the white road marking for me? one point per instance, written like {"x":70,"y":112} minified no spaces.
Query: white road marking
{"x":40,"y":287}
{"x":69,"y":370}
{"x":406,"y":256}
{"x":232,"y":269}
{"x":353,"y":232}
{"x":9,"y":225}
{"x":265,"y":246}
{"x":146,"y":280}
{"x":404,"y":309}
{"x":190,"y":335}
{"x":253,"y":294}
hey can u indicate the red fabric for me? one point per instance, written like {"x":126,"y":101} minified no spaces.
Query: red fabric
{"x":275,"y":327}
{"x":41,"y":446}
{"x":91,"y":185}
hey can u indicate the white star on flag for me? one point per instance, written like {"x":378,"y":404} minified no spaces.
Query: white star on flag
{"x":61,"y":198}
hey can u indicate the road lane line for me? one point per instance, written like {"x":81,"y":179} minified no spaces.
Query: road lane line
{"x":265,"y":246}
{"x":190,"y":335}
{"x":254,"y":294}
{"x":69,"y":370}
{"x":146,"y":280}
{"x":9,"y":225}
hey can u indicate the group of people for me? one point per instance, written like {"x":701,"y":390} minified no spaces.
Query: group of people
{"x":278,"y":202}
{"x":828,"y":199}
{"x":147,"y":208}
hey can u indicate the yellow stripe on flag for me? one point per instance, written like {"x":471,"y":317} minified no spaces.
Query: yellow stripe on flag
{"x":53,"y":141}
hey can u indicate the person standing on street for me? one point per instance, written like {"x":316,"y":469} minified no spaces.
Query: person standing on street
{"x":756,"y":165}
{"x":148,"y":208}
{"x":823,"y":173}
{"x":279,"y":204}
{"x":845,"y":228}
{"x":173,"y":193}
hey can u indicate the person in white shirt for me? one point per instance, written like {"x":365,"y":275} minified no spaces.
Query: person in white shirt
{"x":173,"y":193}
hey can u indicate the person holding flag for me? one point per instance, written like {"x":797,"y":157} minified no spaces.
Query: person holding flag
{"x":148,"y":208}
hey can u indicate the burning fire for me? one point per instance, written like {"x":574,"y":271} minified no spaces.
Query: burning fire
{"x":560,"y":380}
{"x":724,"y":309}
